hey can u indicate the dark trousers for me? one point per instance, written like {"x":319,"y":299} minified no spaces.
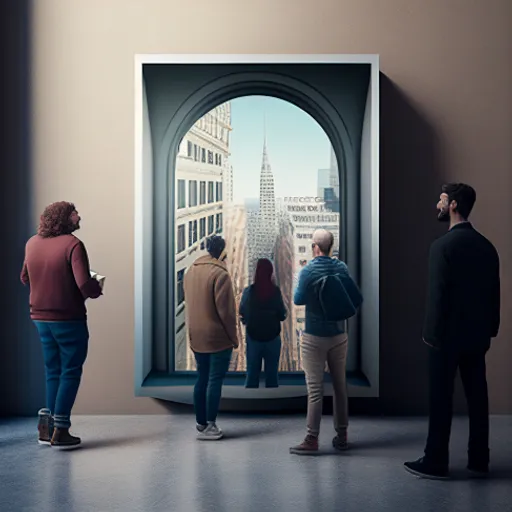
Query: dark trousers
{"x":65,"y":347}
{"x":443,"y":369}
{"x":211,"y":371}
{"x":268,"y":352}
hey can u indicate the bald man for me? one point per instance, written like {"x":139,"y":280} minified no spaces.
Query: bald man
{"x":330,"y":295}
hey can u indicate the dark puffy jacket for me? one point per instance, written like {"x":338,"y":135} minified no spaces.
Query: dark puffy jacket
{"x":262,"y":318}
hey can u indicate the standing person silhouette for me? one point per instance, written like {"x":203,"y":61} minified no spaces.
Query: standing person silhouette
{"x":56,"y":268}
{"x":462,"y":316}
{"x":330,"y":295}
{"x":211,"y":322}
{"x":262,"y":310}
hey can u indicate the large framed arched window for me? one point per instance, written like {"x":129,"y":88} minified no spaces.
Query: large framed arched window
{"x":173,"y":95}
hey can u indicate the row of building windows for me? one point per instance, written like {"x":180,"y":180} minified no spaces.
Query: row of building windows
{"x":207,"y":226}
{"x":200,"y":154}
{"x":213,"y":123}
{"x":214,"y":193}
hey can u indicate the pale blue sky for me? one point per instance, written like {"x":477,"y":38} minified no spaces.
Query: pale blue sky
{"x":297,"y":147}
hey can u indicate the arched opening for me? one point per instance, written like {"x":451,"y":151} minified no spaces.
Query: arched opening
{"x":171,"y":97}
{"x":225,"y":184}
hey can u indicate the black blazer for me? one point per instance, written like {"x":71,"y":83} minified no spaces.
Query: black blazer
{"x":463,"y":304}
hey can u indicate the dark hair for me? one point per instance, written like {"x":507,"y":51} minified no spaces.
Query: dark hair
{"x":56,"y":220}
{"x":215,"y":245}
{"x":263,"y":285}
{"x":464,"y":195}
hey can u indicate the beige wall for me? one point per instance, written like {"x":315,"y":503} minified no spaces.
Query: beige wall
{"x":451,"y":58}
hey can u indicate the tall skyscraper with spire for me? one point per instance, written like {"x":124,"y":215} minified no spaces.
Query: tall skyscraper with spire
{"x":262,"y":225}
{"x":267,"y":202}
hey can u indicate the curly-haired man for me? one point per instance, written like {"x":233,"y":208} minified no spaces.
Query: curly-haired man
{"x":56,"y":268}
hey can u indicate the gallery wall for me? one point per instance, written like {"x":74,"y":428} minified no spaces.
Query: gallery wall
{"x":446,"y":114}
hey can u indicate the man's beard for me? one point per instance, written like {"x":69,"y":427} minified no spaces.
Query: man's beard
{"x":73,"y":228}
{"x":443,"y":215}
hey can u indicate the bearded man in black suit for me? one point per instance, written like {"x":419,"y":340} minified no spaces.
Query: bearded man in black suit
{"x":462,"y":316}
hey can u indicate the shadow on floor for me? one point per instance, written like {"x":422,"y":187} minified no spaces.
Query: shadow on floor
{"x":116,"y":442}
{"x":255,"y":431}
{"x":389,"y":442}
{"x":14,"y":441}
{"x":500,"y":473}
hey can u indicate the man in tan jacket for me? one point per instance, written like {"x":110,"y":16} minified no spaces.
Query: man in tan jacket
{"x":211,"y":320}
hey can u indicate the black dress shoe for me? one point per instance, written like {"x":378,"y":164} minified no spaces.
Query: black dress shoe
{"x":478,"y":470}
{"x":423,"y":469}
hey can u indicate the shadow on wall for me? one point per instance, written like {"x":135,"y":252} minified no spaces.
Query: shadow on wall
{"x":411,"y":176}
{"x":21,"y":363}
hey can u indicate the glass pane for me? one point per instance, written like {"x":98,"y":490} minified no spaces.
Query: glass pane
{"x":181,"y":193}
{"x":273,"y":183}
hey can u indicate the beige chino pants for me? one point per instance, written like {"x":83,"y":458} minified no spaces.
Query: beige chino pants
{"x":315,"y":352}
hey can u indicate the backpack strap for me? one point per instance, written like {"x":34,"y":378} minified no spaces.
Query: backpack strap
{"x":321,"y":285}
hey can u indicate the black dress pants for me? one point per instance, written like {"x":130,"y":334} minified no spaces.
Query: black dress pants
{"x":443,"y":367}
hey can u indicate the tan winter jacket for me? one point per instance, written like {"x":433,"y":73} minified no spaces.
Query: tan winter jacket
{"x":210,"y":306}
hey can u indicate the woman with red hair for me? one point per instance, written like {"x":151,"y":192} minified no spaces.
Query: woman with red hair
{"x":262,"y":311}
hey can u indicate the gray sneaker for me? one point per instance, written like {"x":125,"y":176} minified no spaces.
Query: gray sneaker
{"x":210,"y":433}
{"x":200,"y":428}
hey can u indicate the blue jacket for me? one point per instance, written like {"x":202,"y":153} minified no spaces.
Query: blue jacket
{"x":306,"y":295}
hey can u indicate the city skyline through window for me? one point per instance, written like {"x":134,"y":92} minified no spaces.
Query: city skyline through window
{"x":276,"y":181}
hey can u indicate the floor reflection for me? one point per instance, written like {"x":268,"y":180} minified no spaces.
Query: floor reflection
{"x":154,"y":463}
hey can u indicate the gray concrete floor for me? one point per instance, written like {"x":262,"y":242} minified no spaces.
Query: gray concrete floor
{"x":154,"y":463}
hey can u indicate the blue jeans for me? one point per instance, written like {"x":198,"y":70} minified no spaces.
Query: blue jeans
{"x":263,"y":351}
{"x":65,"y":347}
{"x":211,"y":370}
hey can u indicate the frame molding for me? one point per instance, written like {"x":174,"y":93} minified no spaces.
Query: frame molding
{"x":219,"y":91}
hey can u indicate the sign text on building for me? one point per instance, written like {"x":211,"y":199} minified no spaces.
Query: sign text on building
{"x":309,"y":199}
{"x":315,"y":218}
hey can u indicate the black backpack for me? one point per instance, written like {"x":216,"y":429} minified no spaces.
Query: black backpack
{"x":342,"y":306}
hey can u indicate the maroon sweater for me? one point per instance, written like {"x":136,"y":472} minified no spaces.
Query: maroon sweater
{"x":58,"y":273}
